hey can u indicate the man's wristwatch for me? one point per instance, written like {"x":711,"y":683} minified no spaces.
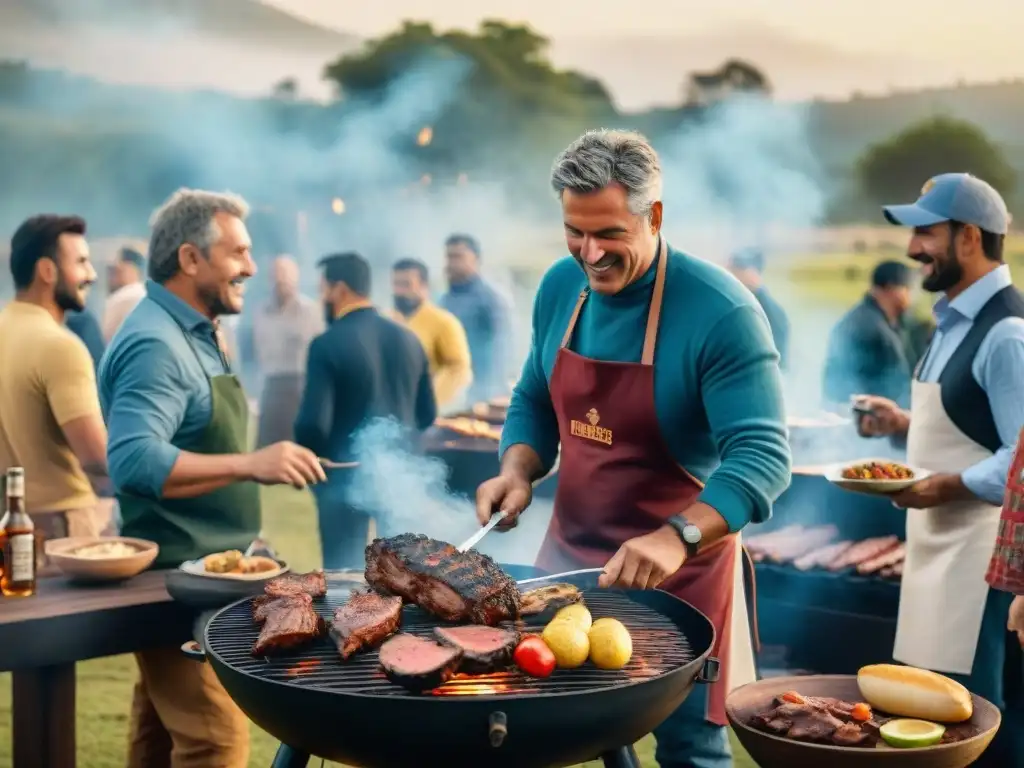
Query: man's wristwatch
{"x":688,"y":532}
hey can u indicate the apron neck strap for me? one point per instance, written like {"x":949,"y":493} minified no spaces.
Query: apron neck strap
{"x":653,"y":314}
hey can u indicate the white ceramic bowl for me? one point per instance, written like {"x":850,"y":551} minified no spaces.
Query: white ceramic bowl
{"x":61,"y":552}
{"x":834,"y":474}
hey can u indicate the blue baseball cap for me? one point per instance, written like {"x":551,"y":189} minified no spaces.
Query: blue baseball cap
{"x":954,"y":197}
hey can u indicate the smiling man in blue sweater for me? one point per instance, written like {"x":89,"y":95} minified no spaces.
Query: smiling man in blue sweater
{"x":657,"y":375}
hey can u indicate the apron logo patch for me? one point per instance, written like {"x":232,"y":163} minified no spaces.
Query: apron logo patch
{"x":591,"y":430}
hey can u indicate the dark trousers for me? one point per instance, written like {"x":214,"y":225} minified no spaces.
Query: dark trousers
{"x":996,"y":675}
{"x":344,"y":531}
{"x":279,"y":405}
{"x":687,"y":740}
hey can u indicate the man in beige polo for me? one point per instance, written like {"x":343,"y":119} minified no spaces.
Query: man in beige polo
{"x":50,"y":418}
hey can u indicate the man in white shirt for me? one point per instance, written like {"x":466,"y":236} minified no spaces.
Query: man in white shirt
{"x":125,"y":288}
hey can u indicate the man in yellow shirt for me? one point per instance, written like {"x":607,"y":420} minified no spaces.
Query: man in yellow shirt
{"x":440,"y":332}
{"x":50,"y":418}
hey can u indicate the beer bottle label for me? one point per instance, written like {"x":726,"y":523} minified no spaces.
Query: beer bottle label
{"x":23,"y":554}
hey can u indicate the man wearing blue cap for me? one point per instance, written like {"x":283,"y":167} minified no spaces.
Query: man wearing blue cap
{"x":966,"y":412}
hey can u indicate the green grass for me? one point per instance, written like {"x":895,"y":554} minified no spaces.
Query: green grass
{"x":105,"y":685}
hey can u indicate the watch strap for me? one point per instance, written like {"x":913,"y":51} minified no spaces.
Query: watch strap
{"x":678,"y":523}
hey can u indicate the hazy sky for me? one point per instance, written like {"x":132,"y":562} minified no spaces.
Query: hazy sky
{"x":980,"y":40}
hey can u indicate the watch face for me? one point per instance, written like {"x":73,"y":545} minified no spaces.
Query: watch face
{"x":691,"y":534}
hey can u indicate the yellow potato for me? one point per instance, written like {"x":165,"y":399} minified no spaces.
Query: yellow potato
{"x":576,"y":613}
{"x":611,"y":645}
{"x":568,"y":642}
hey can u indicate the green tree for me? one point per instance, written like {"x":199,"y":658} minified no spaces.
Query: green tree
{"x":896,"y":168}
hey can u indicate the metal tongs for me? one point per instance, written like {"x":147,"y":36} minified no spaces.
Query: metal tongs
{"x":475,"y":539}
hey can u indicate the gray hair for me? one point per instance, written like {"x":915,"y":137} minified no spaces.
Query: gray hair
{"x":601,"y":157}
{"x":188,"y":217}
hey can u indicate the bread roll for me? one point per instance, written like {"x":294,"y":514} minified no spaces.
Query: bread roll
{"x":912,"y":692}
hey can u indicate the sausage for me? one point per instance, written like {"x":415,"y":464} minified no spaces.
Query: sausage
{"x":822,"y":556}
{"x":885,"y":560}
{"x":863,"y":551}
{"x":810,"y":539}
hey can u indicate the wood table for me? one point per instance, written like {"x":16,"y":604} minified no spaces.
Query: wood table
{"x":43,"y":636}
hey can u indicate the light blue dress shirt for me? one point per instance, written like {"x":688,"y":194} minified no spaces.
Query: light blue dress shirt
{"x":998,"y":368}
{"x":155,"y":391}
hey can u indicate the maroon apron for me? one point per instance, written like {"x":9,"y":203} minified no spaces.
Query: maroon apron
{"x":617,"y":480}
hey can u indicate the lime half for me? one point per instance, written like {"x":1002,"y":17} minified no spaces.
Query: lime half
{"x":911,"y":733}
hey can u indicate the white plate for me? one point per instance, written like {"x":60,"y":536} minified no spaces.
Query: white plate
{"x":834,"y":475}
{"x":196,"y":568}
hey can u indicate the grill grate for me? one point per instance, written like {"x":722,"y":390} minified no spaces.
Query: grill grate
{"x":658,"y":647}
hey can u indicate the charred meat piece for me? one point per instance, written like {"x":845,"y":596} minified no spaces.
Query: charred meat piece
{"x":287,"y":626}
{"x":418,"y":663}
{"x":263,"y":605}
{"x":549,"y":598}
{"x":452,"y":585}
{"x":484,"y":649}
{"x":364,"y":621}
{"x":313,"y":584}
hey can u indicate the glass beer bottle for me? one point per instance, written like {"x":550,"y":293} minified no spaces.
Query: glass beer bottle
{"x":19,"y":540}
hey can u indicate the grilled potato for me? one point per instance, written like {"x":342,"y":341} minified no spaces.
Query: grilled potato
{"x":222,"y":562}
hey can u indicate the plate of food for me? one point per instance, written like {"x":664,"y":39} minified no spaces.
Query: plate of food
{"x":233,"y":564}
{"x":101,"y":558}
{"x":875,"y":476}
{"x":887,"y":715}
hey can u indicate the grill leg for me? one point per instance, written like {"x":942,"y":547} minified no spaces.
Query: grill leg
{"x":287,"y":757}
{"x":624,"y":757}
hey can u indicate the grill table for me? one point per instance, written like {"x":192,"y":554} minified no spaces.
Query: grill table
{"x":317,"y":705}
{"x":43,"y":636}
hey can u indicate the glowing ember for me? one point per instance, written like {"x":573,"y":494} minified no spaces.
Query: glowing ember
{"x":425,"y":136}
{"x":303,"y":668}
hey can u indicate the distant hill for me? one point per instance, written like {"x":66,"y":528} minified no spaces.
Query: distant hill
{"x":243,"y":46}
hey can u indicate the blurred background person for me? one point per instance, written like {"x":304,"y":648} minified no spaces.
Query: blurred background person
{"x":440,"y":332}
{"x":277,"y":342}
{"x":364,"y":366}
{"x":485,"y":315}
{"x":84,"y":325}
{"x":870,"y":351}
{"x":747,"y":266}
{"x":125,"y":289}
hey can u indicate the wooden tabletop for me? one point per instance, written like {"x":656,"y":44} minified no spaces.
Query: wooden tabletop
{"x":67,"y":622}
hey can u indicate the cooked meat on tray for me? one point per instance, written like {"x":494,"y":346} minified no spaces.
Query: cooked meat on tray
{"x":452,"y":585}
{"x":418,"y":663}
{"x":288,"y":622}
{"x":484,"y":649}
{"x":313,"y":584}
{"x":885,"y":560}
{"x":819,"y":558}
{"x":789,"y":543}
{"x":863,"y":551}
{"x":460,"y":425}
{"x":549,"y":598}
{"x":263,"y":605}
{"x":365,"y":621}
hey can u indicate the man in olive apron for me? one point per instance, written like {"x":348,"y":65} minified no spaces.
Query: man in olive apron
{"x":178,"y":452}
{"x":966,"y":412}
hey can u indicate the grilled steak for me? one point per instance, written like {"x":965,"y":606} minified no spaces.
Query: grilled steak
{"x":452,"y":585}
{"x":484,"y":649}
{"x":549,"y":598}
{"x":313,"y":584}
{"x":418,"y":663}
{"x":289,"y":622}
{"x":364,"y":621}
{"x":263,"y":605}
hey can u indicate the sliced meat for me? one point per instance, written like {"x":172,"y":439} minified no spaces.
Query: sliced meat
{"x":863,"y":551}
{"x":263,"y":605}
{"x":288,"y":626}
{"x":454,"y":586}
{"x":821,"y":556}
{"x":365,"y":621}
{"x":884,"y":560}
{"x":418,"y":663}
{"x":852,"y":735}
{"x":484,"y":649}
{"x":313,"y":584}
{"x":549,"y":598}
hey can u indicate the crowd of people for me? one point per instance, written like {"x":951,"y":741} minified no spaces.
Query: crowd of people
{"x":653,"y":377}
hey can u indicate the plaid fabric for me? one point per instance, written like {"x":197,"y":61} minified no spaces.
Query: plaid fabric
{"x":1006,"y":570}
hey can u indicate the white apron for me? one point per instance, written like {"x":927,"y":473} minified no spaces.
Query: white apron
{"x":943,"y":590}
{"x":741,"y":648}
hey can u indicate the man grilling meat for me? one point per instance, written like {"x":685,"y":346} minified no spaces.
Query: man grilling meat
{"x":657,"y":373}
{"x":965,"y":414}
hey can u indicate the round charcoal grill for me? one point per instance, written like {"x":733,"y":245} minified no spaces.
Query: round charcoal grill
{"x":317,"y":705}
